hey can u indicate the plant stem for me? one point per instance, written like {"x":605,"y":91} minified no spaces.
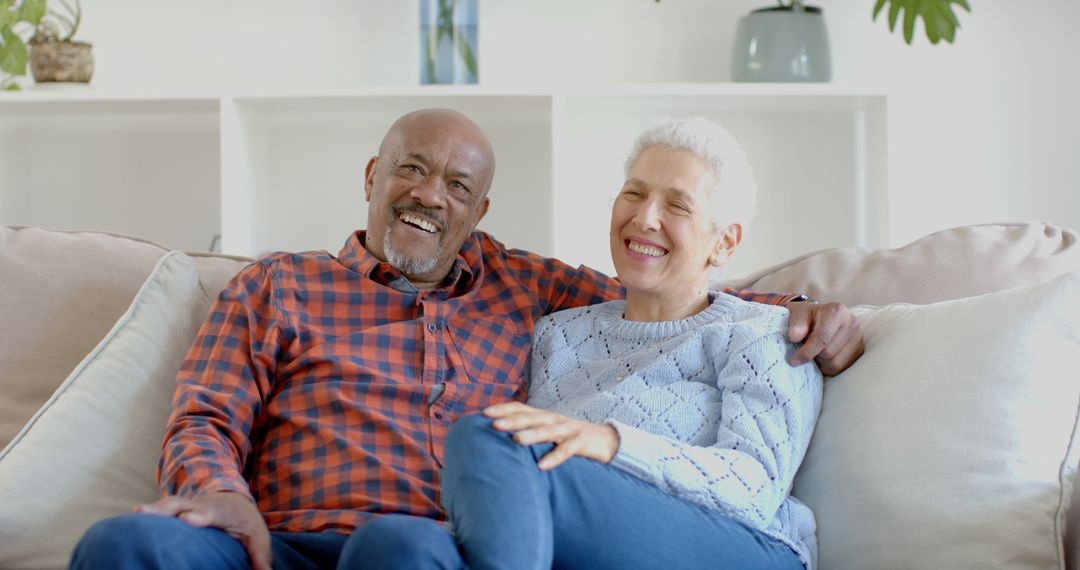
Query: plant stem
{"x":77,"y":12}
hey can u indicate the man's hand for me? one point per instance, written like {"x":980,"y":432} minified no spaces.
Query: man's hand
{"x":571,"y":437}
{"x":231,"y":512}
{"x":829,"y":333}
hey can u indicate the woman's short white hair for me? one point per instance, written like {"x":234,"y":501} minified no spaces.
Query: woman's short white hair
{"x":735,"y":192}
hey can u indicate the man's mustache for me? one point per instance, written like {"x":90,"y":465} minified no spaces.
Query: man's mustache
{"x":397,"y":209}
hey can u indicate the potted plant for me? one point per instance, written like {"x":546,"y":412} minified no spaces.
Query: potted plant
{"x":54,"y":56}
{"x":17,"y":19}
{"x":788,"y":42}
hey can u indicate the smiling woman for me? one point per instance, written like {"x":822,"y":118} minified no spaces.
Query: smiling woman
{"x":690,"y":180}
{"x":664,"y":240}
{"x":634,"y":450}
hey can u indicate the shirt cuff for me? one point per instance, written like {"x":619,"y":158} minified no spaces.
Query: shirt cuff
{"x":224,"y":486}
{"x":638,"y":453}
{"x":778,"y":299}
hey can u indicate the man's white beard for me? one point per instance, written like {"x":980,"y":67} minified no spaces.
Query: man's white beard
{"x":407,"y":265}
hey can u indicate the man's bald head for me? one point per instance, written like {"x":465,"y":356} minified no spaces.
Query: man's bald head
{"x":450,"y":123}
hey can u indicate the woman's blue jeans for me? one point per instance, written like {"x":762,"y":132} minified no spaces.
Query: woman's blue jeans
{"x":506,"y":513}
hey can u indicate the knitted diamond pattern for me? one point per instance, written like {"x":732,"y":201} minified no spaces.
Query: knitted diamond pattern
{"x":707,"y":408}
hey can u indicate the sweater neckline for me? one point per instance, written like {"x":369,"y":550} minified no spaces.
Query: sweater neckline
{"x":720,"y":307}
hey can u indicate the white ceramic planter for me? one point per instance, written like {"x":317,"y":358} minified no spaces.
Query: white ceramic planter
{"x":782,"y":44}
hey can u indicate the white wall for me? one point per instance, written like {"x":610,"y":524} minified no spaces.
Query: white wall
{"x":984,"y":130}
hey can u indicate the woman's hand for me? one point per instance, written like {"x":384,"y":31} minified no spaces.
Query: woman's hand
{"x":571,"y":437}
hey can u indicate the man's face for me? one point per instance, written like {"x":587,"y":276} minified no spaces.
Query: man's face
{"x":426,"y":192}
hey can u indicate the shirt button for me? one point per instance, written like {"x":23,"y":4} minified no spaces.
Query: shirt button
{"x":431,"y":327}
{"x":438,"y":415}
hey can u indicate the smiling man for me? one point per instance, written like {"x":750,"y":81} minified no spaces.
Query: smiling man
{"x":433,"y":173}
{"x":319,"y":391}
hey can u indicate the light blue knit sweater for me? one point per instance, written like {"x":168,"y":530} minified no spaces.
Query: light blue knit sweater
{"x":707,"y":408}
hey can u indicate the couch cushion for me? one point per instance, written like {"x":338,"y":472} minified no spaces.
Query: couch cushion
{"x":951,"y":443}
{"x":949,"y":264}
{"x":62,"y":292}
{"x":215,"y":270}
{"x":92,"y":449}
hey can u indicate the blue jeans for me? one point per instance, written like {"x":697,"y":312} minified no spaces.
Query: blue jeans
{"x":506,"y":513}
{"x":155,"y":541}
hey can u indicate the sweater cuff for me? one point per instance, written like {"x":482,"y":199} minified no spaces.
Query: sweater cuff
{"x":638,"y":452}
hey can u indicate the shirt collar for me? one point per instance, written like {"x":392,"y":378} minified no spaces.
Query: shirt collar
{"x":356,"y":257}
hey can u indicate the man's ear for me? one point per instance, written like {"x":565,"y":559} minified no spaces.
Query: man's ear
{"x":483,"y":210}
{"x":730,"y":237}
{"x":369,"y":177}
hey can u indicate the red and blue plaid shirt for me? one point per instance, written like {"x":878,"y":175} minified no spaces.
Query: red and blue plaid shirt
{"x":323,"y":388}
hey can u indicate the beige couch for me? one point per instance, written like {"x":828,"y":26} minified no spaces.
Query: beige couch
{"x":950,"y":444}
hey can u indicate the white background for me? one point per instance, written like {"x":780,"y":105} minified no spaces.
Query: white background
{"x":984,"y":130}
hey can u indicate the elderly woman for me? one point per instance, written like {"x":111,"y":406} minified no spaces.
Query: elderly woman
{"x":663,"y":431}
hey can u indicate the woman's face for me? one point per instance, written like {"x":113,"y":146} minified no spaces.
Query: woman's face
{"x":662,"y":236}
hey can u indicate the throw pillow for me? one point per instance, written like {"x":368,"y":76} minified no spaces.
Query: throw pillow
{"x":951,"y":442}
{"x":91,"y":451}
{"x":950,"y":264}
{"x":40,"y":342}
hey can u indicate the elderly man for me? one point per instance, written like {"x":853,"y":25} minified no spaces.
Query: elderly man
{"x":319,"y":391}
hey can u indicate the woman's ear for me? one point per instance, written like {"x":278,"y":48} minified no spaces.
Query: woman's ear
{"x":730,"y":237}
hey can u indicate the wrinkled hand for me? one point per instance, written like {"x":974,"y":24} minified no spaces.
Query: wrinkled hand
{"x":231,"y":512}
{"x":571,"y":437}
{"x":830,"y":335}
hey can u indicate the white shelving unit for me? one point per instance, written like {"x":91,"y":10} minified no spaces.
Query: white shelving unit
{"x":284,"y":171}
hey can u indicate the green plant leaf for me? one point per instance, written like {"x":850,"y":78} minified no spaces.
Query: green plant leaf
{"x":32,"y":11}
{"x":467,"y":54}
{"x":7,"y":82}
{"x":446,"y":14}
{"x":939,"y":20}
{"x":909,"y":25}
{"x":931,"y":25}
{"x":432,"y":47}
{"x":877,"y":8}
{"x":947,"y":22}
{"x":946,"y":11}
{"x":77,"y":14}
{"x":950,"y":30}
{"x":13,"y":54}
{"x":894,"y":11}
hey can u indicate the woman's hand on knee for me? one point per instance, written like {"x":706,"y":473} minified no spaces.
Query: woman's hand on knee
{"x":571,"y":437}
{"x":231,"y":512}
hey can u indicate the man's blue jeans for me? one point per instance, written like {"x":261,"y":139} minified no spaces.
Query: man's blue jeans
{"x":506,"y":513}
{"x":154,"y":541}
